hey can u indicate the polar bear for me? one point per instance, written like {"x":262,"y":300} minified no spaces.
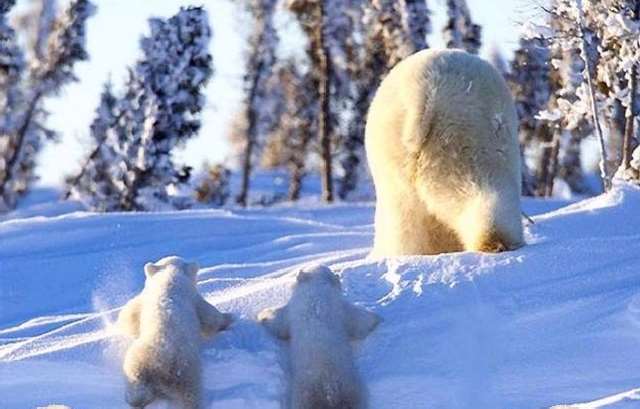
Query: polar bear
{"x":167,"y":319}
{"x":319,"y":324}
{"x":441,"y":142}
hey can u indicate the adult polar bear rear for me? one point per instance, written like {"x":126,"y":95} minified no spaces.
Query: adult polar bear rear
{"x":441,"y":141}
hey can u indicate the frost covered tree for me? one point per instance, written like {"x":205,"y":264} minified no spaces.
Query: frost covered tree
{"x":386,"y":31}
{"x":332,"y":29}
{"x":562,"y":155}
{"x":26,"y":83}
{"x":168,"y":88}
{"x":351,"y":45}
{"x":94,"y":182}
{"x":5,"y":6}
{"x":531,"y":85}
{"x":214,"y":189}
{"x":393,"y":30}
{"x":260,"y":60}
{"x":157,"y":112}
{"x":314,"y":20}
{"x":416,"y":20}
{"x":289,"y":142}
{"x":632,"y":172}
{"x":557,"y":133}
{"x":600,"y":40}
{"x":617,"y":23}
{"x":35,"y":22}
{"x":12,"y":65}
{"x":460,"y":31}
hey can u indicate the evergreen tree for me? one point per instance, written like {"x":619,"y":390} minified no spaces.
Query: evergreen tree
{"x":570,"y":119}
{"x":530,"y":82}
{"x":35,"y":22}
{"x":312,"y":15}
{"x":261,"y":58}
{"x":568,"y":114}
{"x":290,"y":141}
{"x":632,"y":172}
{"x":461,"y":32}
{"x":597,"y":42}
{"x":12,"y":65}
{"x":214,"y":188}
{"x":168,"y":86}
{"x":5,"y":6}
{"x":387,"y":36}
{"x":389,"y":32}
{"x":157,"y":113}
{"x":24,"y":88}
{"x":416,"y":22}
{"x":94,"y":183}
{"x":617,"y":23}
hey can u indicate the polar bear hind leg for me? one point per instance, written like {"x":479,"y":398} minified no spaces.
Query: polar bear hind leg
{"x":404,"y":226}
{"x":189,"y":397}
{"x":482,"y":225}
{"x":139,"y":390}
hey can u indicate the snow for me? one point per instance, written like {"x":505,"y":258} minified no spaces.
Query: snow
{"x":554,"y":323}
{"x":624,"y":399}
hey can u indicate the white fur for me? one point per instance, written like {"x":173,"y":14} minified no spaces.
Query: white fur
{"x":167,"y":319}
{"x":441,"y":142}
{"x":319,"y":324}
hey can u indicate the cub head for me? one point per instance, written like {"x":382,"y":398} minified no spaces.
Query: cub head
{"x":318,"y":273}
{"x":171,"y":264}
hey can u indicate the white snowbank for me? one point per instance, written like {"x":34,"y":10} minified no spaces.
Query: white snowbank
{"x":553,"y":323}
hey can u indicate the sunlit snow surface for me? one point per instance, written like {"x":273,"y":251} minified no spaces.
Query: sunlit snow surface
{"x":554,"y":323}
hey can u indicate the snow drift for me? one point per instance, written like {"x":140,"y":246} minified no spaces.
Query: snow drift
{"x":554,"y":323}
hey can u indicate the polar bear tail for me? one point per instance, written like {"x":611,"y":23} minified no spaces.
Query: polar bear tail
{"x":139,"y":394}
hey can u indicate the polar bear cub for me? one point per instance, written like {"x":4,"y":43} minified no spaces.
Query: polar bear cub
{"x":167,"y":319}
{"x":442,"y":146}
{"x":319,"y":325}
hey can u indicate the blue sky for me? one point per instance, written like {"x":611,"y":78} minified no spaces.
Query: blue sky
{"x":113,"y":35}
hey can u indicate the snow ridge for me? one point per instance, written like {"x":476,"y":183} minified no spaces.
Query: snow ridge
{"x":555,"y":322}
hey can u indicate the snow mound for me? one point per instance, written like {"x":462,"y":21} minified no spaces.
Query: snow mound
{"x":555,"y":322}
{"x":627,"y":399}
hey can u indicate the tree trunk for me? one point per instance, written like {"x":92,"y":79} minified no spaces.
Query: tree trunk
{"x":545,"y":137}
{"x":604,"y":173}
{"x":324,"y":119}
{"x":553,"y":164}
{"x":246,"y":159}
{"x":629,"y":129}
{"x":22,"y":132}
{"x":251,"y":134}
{"x":627,"y":148}
{"x":85,"y":165}
{"x":570,"y":167}
{"x":297,"y":164}
{"x":295,"y":183}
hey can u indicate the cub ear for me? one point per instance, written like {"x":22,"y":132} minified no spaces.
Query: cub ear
{"x":335,"y":280}
{"x":192,"y":269}
{"x":150,"y":269}
{"x":276,"y":321}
